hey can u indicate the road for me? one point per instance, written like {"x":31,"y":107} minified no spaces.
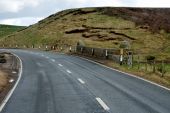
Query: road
{"x":58,"y":83}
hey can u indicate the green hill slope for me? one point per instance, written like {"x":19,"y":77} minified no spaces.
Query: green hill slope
{"x":147,"y":30}
{"x":9,"y":29}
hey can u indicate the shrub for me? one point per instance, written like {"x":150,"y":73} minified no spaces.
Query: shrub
{"x":2,"y":60}
{"x":161,"y":69}
{"x":2,"y":56}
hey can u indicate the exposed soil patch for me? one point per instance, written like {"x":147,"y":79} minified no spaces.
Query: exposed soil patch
{"x":121,"y":34}
{"x":76,"y":30}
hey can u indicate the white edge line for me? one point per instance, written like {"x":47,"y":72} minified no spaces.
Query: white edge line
{"x":153,"y":83}
{"x":100,"y":101}
{"x":52,"y":60}
{"x":4,"y":102}
{"x":81,"y":81}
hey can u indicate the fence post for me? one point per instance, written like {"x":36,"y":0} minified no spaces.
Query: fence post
{"x":162,"y":68}
{"x":146,"y":68}
{"x":138,"y":62}
{"x":154,"y":66}
{"x":82,"y":50}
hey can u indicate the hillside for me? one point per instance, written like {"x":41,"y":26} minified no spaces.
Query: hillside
{"x":9,"y":29}
{"x":147,"y":30}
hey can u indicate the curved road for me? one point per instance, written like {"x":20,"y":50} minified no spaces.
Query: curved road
{"x":57,"y":83}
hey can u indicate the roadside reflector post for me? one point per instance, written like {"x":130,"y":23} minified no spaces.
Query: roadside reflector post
{"x":70,"y":49}
{"x":82,"y":50}
{"x":46,"y":47}
{"x":92,"y":52}
{"x":106,"y":53}
{"x":39,"y":47}
{"x":61,"y":48}
{"x":121,"y":56}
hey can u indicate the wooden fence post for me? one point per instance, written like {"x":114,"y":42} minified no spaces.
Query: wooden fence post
{"x":162,"y":68}
{"x":138,"y":62}
{"x":154,"y":66}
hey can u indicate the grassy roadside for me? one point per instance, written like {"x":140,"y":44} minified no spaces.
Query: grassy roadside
{"x":9,"y":29}
{"x":149,"y":75}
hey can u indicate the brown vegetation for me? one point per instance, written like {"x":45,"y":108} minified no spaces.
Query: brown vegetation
{"x":3,"y":80}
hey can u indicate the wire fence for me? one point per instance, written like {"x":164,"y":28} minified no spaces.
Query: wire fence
{"x":127,"y":57}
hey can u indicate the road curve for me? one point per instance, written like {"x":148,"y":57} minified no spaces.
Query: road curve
{"x":58,"y":83}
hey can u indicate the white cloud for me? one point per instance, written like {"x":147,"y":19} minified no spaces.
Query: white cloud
{"x":25,"y":12}
{"x":107,"y":2}
{"x":16,"y":5}
{"x":150,"y":3}
{"x":21,"y":21}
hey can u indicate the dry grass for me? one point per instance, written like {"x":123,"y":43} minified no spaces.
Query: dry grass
{"x":149,"y":75}
{"x":3,"y":80}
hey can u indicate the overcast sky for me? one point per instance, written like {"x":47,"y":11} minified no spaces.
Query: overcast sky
{"x":27,"y":12}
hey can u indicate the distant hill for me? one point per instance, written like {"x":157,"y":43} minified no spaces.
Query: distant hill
{"x":9,"y":29}
{"x":146,"y":29}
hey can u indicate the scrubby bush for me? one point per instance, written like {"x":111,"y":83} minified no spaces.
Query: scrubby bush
{"x":2,"y":60}
{"x":162,"y":70}
{"x":2,"y":56}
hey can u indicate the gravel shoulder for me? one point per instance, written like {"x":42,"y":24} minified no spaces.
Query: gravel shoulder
{"x":8,"y":74}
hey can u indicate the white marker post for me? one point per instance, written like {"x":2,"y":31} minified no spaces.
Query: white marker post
{"x":92,"y":51}
{"x":106,"y":54}
{"x":70,"y":48}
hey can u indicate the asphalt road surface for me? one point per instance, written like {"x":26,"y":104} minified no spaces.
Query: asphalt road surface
{"x":58,"y":83}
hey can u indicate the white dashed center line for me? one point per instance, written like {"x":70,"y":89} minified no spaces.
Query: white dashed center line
{"x":47,"y":57}
{"x":100,"y":101}
{"x":39,"y":64}
{"x":68,"y":71}
{"x":81,"y":81}
{"x":60,"y":65}
{"x":52,"y":60}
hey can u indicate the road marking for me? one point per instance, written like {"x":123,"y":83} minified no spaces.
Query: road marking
{"x":39,"y":64}
{"x":132,"y":75}
{"x":42,"y":55}
{"x":68,"y":71}
{"x":14,"y":72}
{"x":100,"y":101}
{"x":47,"y":57}
{"x":14,"y":87}
{"x":52,"y":60}
{"x":60,"y":65}
{"x":81,"y":81}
